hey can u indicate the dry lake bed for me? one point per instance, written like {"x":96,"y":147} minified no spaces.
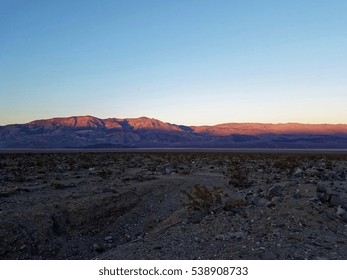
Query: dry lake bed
{"x":173,"y":205}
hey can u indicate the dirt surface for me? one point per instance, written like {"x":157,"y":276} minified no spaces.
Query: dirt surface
{"x":173,"y":206}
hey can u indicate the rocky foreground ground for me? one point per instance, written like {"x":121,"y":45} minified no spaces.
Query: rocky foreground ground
{"x":173,"y":206}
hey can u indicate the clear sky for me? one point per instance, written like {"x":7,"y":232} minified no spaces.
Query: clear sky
{"x":184,"y":61}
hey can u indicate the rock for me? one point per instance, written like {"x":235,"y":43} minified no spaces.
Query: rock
{"x":340,"y":211}
{"x":275,"y":191}
{"x":60,"y":168}
{"x":321,"y":188}
{"x":91,"y":170}
{"x":127,"y":237}
{"x":330,"y":216}
{"x":238,"y":235}
{"x":312,"y":172}
{"x":342,"y":176}
{"x":276,"y":199}
{"x":109,"y":190}
{"x":223,"y":237}
{"x":168,"y":171}
{"x":344,"y":217}
{"x":335,"y":200}
{"x":343,"y":201}
{"x":209,"y":218}
{"x":231,"y":235}
{"x":297,"y":172}
{"x":263,"y":202}
{"x":108,"y":238}
{"x":324,"y":197}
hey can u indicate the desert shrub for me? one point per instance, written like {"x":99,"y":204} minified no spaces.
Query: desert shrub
{"x":105,"y":173}
{"x":204,"y":199}
{"x":185,"y":172}
{"x":287,"y":164}
{"x":238,"y":176}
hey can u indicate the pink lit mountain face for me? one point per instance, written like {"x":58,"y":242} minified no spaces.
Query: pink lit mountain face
{"x":258,"y":129}
{"x":92,"y":132}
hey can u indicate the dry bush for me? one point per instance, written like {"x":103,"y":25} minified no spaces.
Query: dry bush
{"x":204,"y":199}
{"x":238,"y":176}
{"x":185,"y":172}
{"x":105,"y":173}
{"x":288,"y":164}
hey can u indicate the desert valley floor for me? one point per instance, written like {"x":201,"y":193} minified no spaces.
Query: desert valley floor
{"x":173,"y":205}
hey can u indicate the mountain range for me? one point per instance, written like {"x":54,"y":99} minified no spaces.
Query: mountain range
{"x":80,"y":132}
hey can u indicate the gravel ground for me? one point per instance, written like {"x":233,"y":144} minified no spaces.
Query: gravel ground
{"x":173,"y":205}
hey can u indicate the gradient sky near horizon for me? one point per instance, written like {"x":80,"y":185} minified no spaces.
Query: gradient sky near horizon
{"x":187,"y":62}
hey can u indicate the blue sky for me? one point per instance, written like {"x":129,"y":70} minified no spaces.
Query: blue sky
{"x":186,"y":62}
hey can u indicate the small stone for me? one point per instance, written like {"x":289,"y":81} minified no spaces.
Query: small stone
{"x":324,"y":197}
{"x":168,"y":171}
{"x":344,"y":217}
{"x":108,"y":238}
{"x":297,"y":172}
{"x":343,"y":201}
{"x":276,"y":199}
{"x":91,"y":170}
{"x":340,"y":211}
{"x":222,"y":237}
{"x":238,"y":235}
{"x":335,"y":200}
{"x":275,"y":191}
{"x":321,"y":188}
{"x":312,"y":172}
{"x":263,"y":202}
{"x":109,"y":190}
{"x":209,"y":218}
{"x":342,"y":176}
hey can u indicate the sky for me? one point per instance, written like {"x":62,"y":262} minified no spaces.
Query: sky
{"x":189,"y":62}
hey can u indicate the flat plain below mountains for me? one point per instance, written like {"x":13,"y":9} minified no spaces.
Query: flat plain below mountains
{"x":173,"y":205}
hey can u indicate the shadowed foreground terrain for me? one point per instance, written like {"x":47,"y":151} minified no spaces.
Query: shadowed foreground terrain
{"x":173,"y":205}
